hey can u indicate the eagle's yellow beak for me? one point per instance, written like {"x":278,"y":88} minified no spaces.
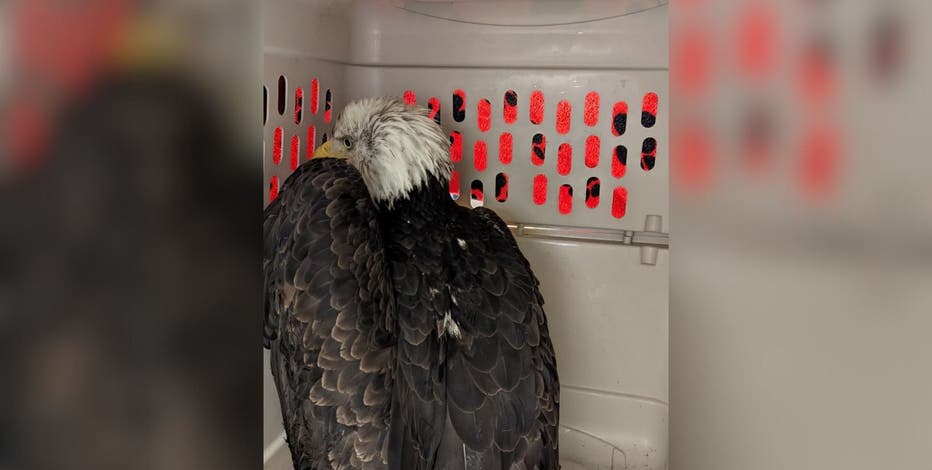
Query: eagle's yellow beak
{"x":326,"y":151}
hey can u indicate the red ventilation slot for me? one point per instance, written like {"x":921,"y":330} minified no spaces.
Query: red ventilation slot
{"x":593,"y":147}
{"x":410,"y":98}
{"x":887,"y":46}
{"x":480,"y":155}
{"x":315,"y":91}
{"x":265,"y":104}
{"x":619,"y":161}
{"x":756,"y":39}
{"x":591,"y":114}
{"x":298,"y":104}
{"x":295,"y":147}
{"x":565,"y":201}
{"x":619,"y":202}
{"x":328,"y":106}
{"x":433,"y":108}
{"x":648,"y":153}
{"x":510,"y":110}
{"x":537,"y":107}
{"x":817,"y":71}
{"x":619,"y":118}
{"x":484,"y":109}
{"x":456,"y":146}
{"x":505,"y":148}
{"x":818,"y":168}
{"x":757,"y":138}
{"x":649,"y":110}
{"x":277,"y":146}
{"x":538,"y":149}
{"x":690,"y":53}
{"x":593,"y":186}
{"x":459,"y":105}
{"x":564,"y":159}
{"x":564,"y":111}
{"x":311,"y":139}
{"x":501,"y":187}
{"x":273,"y":188}
{"x":475,"y":193}
{"x":540,"y":189}
{"x":455,"y":185}
{"x":282,"y":94}
{"x":693,"y":166}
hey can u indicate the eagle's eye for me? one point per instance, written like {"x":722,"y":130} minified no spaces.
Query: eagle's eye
{"x":347,"y":142}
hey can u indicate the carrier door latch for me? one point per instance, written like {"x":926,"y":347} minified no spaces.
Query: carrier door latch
{"x":649,"y":240}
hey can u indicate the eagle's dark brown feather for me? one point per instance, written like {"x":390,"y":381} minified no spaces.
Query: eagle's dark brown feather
{"x":490,"y":397}
{"x":328,"y":318}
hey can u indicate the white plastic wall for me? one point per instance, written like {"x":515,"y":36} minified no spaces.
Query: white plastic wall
{"x":800,"y":324}
{"x":608,"y":312}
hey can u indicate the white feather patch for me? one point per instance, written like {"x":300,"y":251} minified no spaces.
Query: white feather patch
{"x":449,"y":327}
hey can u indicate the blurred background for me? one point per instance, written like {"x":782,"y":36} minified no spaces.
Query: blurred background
{"x":801,"y":276}
{"x":130,"y":194}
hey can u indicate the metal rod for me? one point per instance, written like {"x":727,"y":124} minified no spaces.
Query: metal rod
{"x":602,"y":235}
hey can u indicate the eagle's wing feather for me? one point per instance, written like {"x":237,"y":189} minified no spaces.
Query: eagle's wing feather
{"x":488,"y":399}
{"x":328,"y":319}
{"x":521,"y":389}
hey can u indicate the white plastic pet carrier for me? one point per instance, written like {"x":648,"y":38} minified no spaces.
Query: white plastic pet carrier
{"x":558,"y":115}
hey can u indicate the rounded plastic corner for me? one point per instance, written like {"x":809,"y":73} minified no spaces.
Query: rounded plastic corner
{"x":525,"y":12}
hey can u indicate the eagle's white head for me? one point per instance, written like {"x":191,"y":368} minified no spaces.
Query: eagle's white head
{"x":397,"y":147}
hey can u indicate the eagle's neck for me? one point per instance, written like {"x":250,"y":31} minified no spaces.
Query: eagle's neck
{"x":426,"y":209}
{"x":417,"y":234}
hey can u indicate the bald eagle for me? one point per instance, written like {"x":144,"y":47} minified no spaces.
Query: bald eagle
{"x":406,"y":331}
